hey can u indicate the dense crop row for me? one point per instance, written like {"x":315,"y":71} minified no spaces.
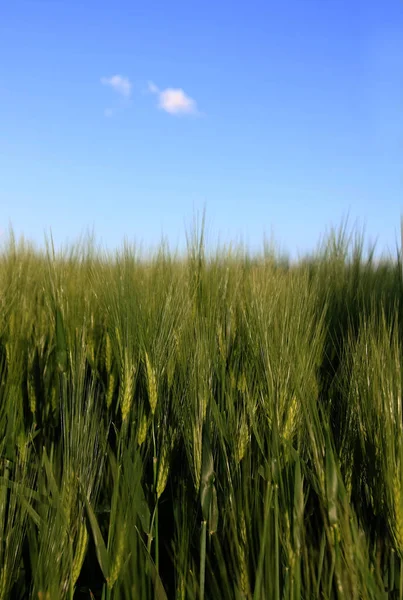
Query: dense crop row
{"x":220,"y":427}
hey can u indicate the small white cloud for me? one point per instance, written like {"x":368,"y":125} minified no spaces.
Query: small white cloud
{"x":121,"y":85}
{"x":174,"y":100}
{"x":109,"y":112}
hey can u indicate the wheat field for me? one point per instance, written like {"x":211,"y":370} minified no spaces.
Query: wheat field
{"x":212,"y":425}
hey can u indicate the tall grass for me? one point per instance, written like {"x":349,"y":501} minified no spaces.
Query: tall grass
{"x":208,"y":426}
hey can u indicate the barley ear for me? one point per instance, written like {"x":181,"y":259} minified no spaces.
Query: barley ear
{"x":163,"y":470}
{"x":110,"y":390}
{"x":152,"y":385}
{"x":243,"y":572}
{"x":128,"y":373}
{"x":197,"y":455}
{"x":31,"y":395}
{"x":290,"y":421}
{"x":398,"y":513}
{"x":142,"y":431}
{"x":108,"y":354}
{"x":243,"y":439}
{"x":68,"y":493}
{"x":81,"y":549}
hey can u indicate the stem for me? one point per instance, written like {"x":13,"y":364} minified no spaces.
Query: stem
{"x":392,"y":571}
{"x":154,"y":522}
{"x":276,"y":545}
{"x":157,"y":552}
{"x":266,"y":523}
{"x":203,"y":558}
{"x":321,"y":558}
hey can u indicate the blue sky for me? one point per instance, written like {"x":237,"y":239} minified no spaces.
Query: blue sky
{"x":129,"y":117}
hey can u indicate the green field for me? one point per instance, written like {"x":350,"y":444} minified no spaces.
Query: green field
{"x":203,"y":426}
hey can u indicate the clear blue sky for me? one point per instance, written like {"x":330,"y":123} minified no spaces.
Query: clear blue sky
{"x":127,"y":117}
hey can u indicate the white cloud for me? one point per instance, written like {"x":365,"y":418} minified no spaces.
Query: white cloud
{"x":120,"y":84}
{"x":109,"y":112}
{"x":174,"y":100}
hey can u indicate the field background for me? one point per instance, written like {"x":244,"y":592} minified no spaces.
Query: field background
{"x":213,"y":426}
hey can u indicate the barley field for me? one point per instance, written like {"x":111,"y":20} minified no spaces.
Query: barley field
{"x":212,"y":425}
